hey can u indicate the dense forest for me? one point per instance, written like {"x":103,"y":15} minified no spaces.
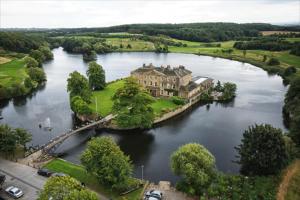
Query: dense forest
{"x":201,"y":32}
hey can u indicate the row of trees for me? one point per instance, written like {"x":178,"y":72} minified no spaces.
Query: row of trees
{"x":201,"y":32}
{"x":264,"y":45}
{"x":11,"y":139}
{"x":80,"y":87}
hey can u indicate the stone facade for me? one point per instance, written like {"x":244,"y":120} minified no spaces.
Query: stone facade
{"x":167,"y":81}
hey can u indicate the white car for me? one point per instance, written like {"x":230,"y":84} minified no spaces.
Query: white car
{"x":153,"y":195}
{"x":14,"y":192}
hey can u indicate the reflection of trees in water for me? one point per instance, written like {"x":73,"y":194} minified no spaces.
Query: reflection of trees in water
{"x":4,"y":103}
{"x":137,"y":144}
{"x":226,"y":104}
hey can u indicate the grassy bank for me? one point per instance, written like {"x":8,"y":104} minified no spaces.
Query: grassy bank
{"x":12,"y":72}
{"x":105,"y":103}
{"x":79,"y":172}
{"x":134,"y":45}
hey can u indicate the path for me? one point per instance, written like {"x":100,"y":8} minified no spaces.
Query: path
{"x":289,"y":173}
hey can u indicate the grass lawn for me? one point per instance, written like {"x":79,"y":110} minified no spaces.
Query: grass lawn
{"x":78,"y":172}
{"x":136,"y":45}
{"x":105,"y":103}
{"x":12,"y":72}
{"x":103,"y":97}
{"x":160,"y":104}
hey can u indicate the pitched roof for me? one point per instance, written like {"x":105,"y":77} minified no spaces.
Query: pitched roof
{"x":168,"y":71}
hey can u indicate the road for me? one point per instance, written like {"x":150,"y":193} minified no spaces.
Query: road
{"x":23,"y":177}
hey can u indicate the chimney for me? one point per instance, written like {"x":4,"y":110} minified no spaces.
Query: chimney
{"x":144,"y":65}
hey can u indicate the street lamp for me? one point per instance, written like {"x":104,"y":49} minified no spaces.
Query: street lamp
{"x":142,"y":172}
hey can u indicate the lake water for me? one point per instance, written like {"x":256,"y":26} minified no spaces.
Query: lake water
{"x":219,"y":128}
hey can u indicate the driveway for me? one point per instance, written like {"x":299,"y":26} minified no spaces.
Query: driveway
{"x":23,"y":177}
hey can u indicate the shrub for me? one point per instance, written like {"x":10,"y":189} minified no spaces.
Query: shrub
{"x":289,"y":71}
{"x":177,"y":100}
{"x":273,"y":61}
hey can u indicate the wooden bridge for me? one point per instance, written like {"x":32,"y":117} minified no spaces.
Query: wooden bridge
{"x":52,"y":145}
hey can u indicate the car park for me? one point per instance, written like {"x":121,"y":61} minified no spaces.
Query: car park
{"x":44,"y":172}
{"x":14,"y":192}
{"x":153,"y":195}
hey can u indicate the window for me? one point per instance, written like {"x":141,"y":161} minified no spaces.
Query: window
{"x":173,"y":86}
{"x":161,"y":92}
{"x":150,"y":82}
{"x":155,"y":83}
{"x":145,"y":82}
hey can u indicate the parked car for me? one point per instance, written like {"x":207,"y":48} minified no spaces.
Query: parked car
{"x":14,"y":192}
{"x":153,"y":195}
{"x":59,"y":174}
{"x":1,"y":198}
{"x":44,"y":172}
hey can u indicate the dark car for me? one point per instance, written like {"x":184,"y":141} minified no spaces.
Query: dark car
{"x":1,"y":198}
{"x":44,"y":172}
{"x":2,"y":179}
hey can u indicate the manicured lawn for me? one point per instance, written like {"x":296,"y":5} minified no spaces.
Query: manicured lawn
{"x":12,"y":72}
{"x":105,"y":103}
{"x":160,"y":104}
{"x":78,"y":172}
{"x":103,"y":97}
{"x":293,"y":39}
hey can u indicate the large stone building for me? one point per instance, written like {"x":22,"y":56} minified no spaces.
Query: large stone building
{"x":167,"y":81}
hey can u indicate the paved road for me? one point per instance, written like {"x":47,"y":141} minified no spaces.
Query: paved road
{"x":23,"y":177}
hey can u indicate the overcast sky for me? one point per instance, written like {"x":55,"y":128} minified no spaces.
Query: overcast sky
{"x":97,"y":13}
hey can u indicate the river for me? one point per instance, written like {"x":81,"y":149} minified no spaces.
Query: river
{"x":218,"y":127}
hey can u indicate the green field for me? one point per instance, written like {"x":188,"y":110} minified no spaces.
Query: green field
{"x":78,"y":172}
{"x":136,"y":45}
{"x":105,"y":103}
{"x":12,"y":72}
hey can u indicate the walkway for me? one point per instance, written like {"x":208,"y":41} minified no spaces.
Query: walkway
{"x":54,"y":143}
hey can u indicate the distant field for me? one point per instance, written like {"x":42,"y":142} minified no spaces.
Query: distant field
{"x":293,"y":39}
{"x":12,"y":72}
{"x":276,"y":32}
{"x":136,"y":45}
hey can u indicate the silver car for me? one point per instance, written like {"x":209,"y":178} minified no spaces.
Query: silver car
{"x":153,"y":195}
{"x":14,"y":192}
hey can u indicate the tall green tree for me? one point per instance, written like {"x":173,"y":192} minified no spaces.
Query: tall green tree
{"x":78,"y":86}
{"x":107,"y":162}
{"x":79,"y":106}
{"x":22,"y":136}
{"x":36,"y":74}
{"x":262,"y":150}
{"x":196,"y":165}
{"x":38,"y":56}
{"x":65,"y":188}
{"x":48,"y":55}
{"x":132,"y":104}
{"x":30,"y":62}
{"x":96,"y":76}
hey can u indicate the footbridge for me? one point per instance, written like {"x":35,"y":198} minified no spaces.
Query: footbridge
{"x":52,"y":145}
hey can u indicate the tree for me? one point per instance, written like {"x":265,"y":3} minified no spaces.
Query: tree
{"x":46,"y":52}
{"x":78,"y":86}
{"x":8,"y":142}
{"x":273,"y":61}
{"x":244,"y":53}
{"x":79,"y":106}
{"x":132,"y":104}
{"x":229,"y":90}
{"x":96,"y":76}
{"x":218,"y":87}
{"x":89,"y":56}
{"x":264,"y":58}
{"x":22,"y":137}
{"x":30,"y":62}
{"x":289,"y":71}
{"x":196,"y":165}
{"x":38,"y":56}
{"x":65,"y":188}
{"x":262,"y":151}
{"x":107,"y":162}
{"x":36,"y":74}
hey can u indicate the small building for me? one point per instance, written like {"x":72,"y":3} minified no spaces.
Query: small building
{"x":167,"y":81}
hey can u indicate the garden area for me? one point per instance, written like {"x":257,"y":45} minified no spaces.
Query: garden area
{"x":105,"y":103}
{"x":78,"y":172}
